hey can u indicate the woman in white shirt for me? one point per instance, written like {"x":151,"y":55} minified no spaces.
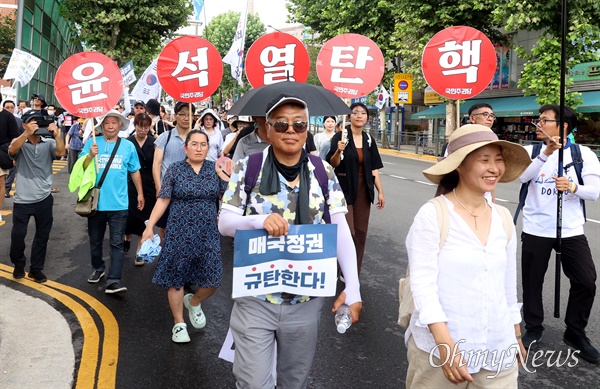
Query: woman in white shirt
{"x":208,"y":123}
{"x":328,"y":132}
{"x":465,"y":325}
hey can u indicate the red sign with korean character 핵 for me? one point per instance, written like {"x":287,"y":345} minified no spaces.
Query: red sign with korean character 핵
{"x":88,"y":84}
{"x":277,"y":57}
{"x":350,"y":65}
{"x":190,"y":69}
{"x":459,"y":62}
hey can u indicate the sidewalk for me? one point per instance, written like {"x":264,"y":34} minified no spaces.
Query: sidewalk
{"x":36,"y":349}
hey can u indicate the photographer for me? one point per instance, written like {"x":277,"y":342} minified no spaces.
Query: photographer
{"x":34,"y":150}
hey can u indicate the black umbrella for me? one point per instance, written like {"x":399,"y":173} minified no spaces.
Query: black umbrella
{"x":320,"y":101}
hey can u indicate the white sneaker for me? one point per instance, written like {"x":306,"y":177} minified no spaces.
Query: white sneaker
{"x":180,"y":334}
{"x":197,"y":317}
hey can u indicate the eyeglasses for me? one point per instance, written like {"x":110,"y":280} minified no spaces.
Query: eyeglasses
{"x":359,"y":113}
{"x":196,"y":145}
{"x":183,"y":115}
{"x":485,"y":115}
{"x":543,"y":121}
{"x":143,"y":128}
{"x":281,"y":127}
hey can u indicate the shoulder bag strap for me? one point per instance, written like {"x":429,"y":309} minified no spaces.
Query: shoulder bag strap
{"x":112,"y":156}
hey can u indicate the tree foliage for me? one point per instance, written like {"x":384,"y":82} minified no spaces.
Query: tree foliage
{"x":7,"y":40}
{"x":400,"y":28}
{"x":220,"y":32}
{"x":541,"y":74}
{"x":126,"y":29}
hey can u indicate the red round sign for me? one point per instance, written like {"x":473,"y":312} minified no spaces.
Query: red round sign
{"x":459,"y":62}
{"x":88,"y":84}
{"x":277,"y":57}
{"x":190,"y":69}
{"x":350,"y":65}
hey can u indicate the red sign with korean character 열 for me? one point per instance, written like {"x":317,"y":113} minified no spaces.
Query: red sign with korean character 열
{"x":277,"y":57}
{"x":190,"y":69}
{"x":350,"y":65}
{"x":459,"y":62}
{"x":88,"y":84}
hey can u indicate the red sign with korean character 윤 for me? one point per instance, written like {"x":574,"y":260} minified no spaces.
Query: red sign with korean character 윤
{"x":190,"y":69}
{"x":459,"y":62}
{"x":350,"y":65}
{"x":88,"y":84}
{"x":277,"y":57}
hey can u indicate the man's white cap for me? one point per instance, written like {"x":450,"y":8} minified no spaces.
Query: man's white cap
{"x":281,"y":100}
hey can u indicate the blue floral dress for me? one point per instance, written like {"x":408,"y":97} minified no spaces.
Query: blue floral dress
{"x":191,"y":252}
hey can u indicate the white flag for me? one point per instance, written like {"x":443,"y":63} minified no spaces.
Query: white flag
{"x":22,"y":66}
{"x":147,"y":86}
{"x":382,"y":97}
{"x":235,"y":55}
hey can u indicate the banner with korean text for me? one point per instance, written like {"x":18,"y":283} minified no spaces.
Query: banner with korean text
{"x":21,"y":67}
{"x":303,"y":262}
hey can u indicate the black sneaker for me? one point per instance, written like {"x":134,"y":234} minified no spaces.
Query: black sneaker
{"x":583,"y":345}
{"x":126,"y":246}
{"x":37,"y":276}
{"x":138,"y":261}
{"x":19,"y":272}
{"x":96,"y":276}
{"x":7,"y":195}
{"x":115,"y":287}
{"x":531,"y":337}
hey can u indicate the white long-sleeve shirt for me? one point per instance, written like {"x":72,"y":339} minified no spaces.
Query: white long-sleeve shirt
{"x":539,"y":212}
{"x":470,"y":287}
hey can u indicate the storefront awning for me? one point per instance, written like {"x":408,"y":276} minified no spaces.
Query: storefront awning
{"x":510,"y":106}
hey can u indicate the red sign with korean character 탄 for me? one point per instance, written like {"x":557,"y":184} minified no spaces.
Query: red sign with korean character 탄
{"x":459,"y":62}
{"x":88,"y":84}
{"x":277,"y":57}
{"x":350,"y":65}
{"x":190,"y":69}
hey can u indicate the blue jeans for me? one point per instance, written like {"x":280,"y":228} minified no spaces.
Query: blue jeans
{"x":116,"y":221}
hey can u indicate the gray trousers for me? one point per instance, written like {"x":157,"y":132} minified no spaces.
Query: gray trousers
{"x":256,"y":325}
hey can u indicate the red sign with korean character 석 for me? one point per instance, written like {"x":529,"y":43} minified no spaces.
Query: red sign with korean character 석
{"x":88,"y":84}
{"x":459,"y":62}
{"x":190,"y":69}
{"x":350,"y":65}
{"x":277,"y":57}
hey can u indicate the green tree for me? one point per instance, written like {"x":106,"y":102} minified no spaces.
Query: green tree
{"x":127,"y":29}
{"x":541,"y":73}
{"x":220,"y":32}
{"x":7,"y":40}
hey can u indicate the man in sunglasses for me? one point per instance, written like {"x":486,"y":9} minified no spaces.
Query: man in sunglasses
{"x":287,"y":182}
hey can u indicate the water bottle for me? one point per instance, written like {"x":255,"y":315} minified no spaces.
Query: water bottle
{"x":343,"y":318}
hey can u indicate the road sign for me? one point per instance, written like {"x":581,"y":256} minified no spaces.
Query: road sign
{"x":190,"y":69}
{"x":350,"y":65}
{"x":459,"y":62}
{"x":430,"y":97}
{"x":88,"y":84}
{"x":403,"y":88}
{"x":277,"y":57}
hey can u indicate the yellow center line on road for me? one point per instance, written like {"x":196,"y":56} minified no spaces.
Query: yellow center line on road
{"x":86,"y":376}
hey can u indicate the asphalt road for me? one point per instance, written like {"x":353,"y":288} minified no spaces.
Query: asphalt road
{"x":370,"y":354}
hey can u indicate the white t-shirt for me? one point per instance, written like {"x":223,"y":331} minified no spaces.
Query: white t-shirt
{"x":539,"y":212}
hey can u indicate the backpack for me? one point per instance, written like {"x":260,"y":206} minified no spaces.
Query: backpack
{"x":255,"y":164}
{"x":407,"y":304}
{"x":577,"y":164}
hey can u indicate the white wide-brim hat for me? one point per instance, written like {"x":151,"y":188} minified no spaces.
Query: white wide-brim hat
{"x":469,"y":138}
{"x":115,"y":114}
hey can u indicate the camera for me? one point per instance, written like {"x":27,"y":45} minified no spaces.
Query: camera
{"x":43,"y":121}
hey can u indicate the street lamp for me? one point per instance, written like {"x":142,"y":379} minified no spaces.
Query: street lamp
{"x":274,"y":28}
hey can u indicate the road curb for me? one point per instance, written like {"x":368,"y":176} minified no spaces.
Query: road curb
{"x":404,"y":154}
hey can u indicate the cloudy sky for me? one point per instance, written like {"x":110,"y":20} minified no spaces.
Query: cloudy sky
{"x":271,"y":12}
